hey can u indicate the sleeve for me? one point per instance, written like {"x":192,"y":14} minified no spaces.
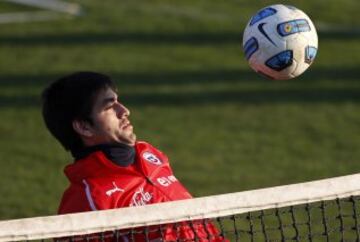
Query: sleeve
{"x":198,"y":230}
{"x":74,"y":200}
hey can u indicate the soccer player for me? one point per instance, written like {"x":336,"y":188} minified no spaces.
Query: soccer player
{"x":111,"y":169}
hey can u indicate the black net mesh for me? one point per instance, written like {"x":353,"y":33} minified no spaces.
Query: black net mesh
{"x":334,"y":220}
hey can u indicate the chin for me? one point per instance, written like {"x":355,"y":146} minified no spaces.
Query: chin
{"x":130,"y":140}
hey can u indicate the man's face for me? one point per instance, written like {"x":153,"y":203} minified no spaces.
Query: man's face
{"x":111,"y":123}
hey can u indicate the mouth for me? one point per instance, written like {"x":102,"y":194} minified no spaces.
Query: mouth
{"x":126,"y":125}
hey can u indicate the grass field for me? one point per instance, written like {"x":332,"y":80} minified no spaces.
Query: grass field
{"x":180,"y":69}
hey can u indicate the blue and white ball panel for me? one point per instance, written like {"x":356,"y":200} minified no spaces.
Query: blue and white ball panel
{"x":293,"y":27}
{"x":250,"y":47}
{"x":310,"y":54}
{"x":262,"y":14}
{"x":280,"y":61}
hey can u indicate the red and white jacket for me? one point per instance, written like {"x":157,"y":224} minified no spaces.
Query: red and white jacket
{"x":96,"y":183}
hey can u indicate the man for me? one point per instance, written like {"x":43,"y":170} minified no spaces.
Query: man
{"x":111,"y":168}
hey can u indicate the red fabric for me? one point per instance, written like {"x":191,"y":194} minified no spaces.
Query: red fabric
{"x":96,"y":183}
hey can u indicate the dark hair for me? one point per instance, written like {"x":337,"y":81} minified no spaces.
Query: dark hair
{"x":72,"y":98}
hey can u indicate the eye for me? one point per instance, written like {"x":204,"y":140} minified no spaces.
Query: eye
{"x":109,"y":105}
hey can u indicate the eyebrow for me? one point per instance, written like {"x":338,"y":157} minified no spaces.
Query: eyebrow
{"x":108,"y":100}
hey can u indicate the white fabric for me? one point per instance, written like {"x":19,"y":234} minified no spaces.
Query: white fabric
{"x":206,"y":207}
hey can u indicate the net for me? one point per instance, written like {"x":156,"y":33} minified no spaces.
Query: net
{"x":325,"y":210}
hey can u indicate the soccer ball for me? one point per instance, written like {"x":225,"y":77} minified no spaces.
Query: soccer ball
{"x":280,"y":42}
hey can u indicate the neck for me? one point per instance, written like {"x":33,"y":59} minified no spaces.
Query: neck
{"x":120,"y":154}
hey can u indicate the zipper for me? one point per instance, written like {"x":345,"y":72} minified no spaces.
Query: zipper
{"x":150,"y":181}
{"x":153,"y":175}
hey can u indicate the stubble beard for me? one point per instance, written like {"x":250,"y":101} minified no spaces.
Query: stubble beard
{"x":129,"y":139}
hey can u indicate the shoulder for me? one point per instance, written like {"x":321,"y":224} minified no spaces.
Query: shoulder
{"x":143,"y":145}
{"x":148,"y":152}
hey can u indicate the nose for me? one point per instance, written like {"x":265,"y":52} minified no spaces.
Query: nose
{"x":122,"y":111}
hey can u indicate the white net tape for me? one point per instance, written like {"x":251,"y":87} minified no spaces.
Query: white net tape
{"x":163,"y":213}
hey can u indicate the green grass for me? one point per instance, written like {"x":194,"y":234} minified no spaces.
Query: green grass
{"x":180,"y":69}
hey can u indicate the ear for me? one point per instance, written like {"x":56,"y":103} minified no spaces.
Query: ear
{"x":83,"y":128}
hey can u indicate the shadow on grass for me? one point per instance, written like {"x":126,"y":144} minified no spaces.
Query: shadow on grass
{"x":249,"y":97}
{"x":196,"y":38}
{"x":262,"y":91}
{"x":183,"y":78}
{"x":326,"y":95}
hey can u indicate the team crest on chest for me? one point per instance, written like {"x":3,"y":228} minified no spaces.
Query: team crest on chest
{"x":153,"y":159}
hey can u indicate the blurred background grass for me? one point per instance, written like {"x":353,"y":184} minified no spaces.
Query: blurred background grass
{"x":180,"y":69}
